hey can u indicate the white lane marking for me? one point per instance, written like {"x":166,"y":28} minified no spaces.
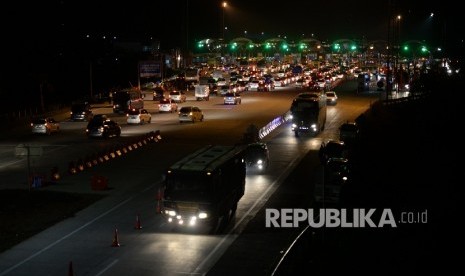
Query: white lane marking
{"x":107,"y":267}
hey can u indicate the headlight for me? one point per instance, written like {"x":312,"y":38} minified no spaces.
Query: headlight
{"x":170,"y":213}
{"x":313,"y":125}
{"x":259,"y":162}
{"x":202,"y":215}
{"x":294,"y":125}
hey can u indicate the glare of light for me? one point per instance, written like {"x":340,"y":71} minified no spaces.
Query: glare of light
{"x":431,"y":15}
{"x":225,"y":4}
{"x":399,"y":17}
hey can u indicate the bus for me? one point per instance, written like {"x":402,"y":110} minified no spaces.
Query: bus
{"x":127,"y":99}
{"x":308,"y":111}
{"x":204,"y":188}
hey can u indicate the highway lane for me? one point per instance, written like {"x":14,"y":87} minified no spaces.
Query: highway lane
{"x":156,"y":249}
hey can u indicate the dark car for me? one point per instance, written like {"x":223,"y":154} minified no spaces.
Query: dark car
{"x":104,"y":128}
{"x":336,"y":175}
{"x":332,"y":149}
{"x":81,"y":111}
{"x":158,"y":93}
{"x":349,"y":132}
{"x":257,"y":157}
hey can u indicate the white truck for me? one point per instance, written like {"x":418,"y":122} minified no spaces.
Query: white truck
{"x":202,"y":92}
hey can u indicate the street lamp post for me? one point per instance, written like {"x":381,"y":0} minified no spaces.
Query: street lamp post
{"x":225,"y":4}
{"x":397,"y":68}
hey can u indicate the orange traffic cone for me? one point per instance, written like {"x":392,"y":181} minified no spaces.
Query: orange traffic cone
{"x":159,"y":194}
{"x":138,"y":226}
{"x":115,"y":239}
{"x":70,"y":269}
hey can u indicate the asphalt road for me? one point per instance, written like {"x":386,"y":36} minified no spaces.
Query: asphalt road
{"x":246,"y":247}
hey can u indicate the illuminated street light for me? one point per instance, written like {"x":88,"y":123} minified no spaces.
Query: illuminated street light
{"x":225,"y":4}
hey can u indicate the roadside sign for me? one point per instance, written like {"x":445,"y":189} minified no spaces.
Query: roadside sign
{"x":150,"y":69}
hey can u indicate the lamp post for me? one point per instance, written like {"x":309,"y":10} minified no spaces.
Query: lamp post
{"x":225,"y":4}
{"x":397,"y":68}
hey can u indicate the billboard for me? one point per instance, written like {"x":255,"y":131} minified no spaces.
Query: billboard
{"x":150,"y":69}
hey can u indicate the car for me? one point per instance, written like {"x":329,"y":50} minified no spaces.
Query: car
{"x":103,"y":128}
{"x":336,"y":175}
{"x":256,"y":157}
{"x":308,"y":95}
{"x":158,"y":93}
{"x":349,"y":132}
{"x":337,"y":171}
{"x":331,"y":98}
{"x":301,"y":83}
{"x":138,"y":116}
{"x":212,"y":84}
{"x":232,"y":98}
{"x":167,"y":105}
{"x":332,"y":149}
{"x":254,"y":84}
{"x":221,"y":82}
{"x":224,"y":89}
{"x":81,"y":111}
{"x":280,"y":82}
{"x":243,"y":85}
{"x":190,"y":114}
{"x":45,"y":125}
{"x":178,"y":96}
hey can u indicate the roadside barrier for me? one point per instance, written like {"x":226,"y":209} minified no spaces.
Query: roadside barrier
{"x":103,"y":156}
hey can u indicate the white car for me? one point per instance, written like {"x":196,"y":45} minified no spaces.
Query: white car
{"x":331,"y":98}
{"x":178,"y":96}
{"x":167,"y":105}
{"x":221,"y":82}
{"x":253,"y":85}
{"x":46,"y":125}
{"x":139,"y":116}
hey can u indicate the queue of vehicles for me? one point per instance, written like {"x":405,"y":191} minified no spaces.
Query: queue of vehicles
{"x":191,"y":195}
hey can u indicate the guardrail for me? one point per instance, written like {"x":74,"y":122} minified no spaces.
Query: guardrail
{"x":409,"y":98}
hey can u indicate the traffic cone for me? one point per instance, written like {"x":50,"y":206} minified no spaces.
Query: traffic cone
{"x":158,"y":210}
{"x":115,"y":242}
{"x":55,"y":175}
{"x":70,"y":269}
{"x":138,"y":225}
{"x":72,"y":168}
{"x":80,"y":165}
{"x":159,"y":194}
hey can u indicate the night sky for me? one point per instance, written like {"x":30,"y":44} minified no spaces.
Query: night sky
{"x":175,"y":22}
{"x":44,"y":42}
